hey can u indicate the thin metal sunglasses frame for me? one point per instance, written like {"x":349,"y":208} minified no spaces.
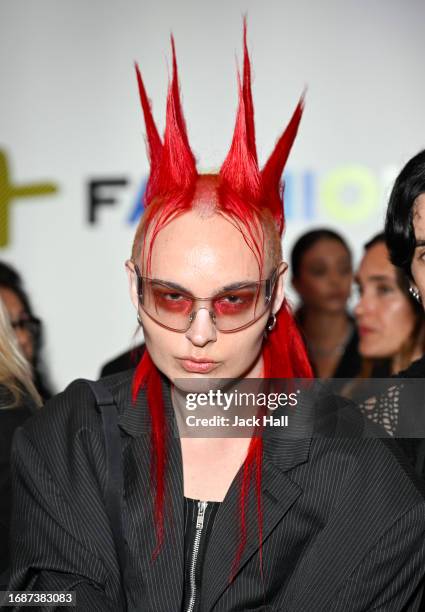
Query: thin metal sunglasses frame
{"x":270,"y":285}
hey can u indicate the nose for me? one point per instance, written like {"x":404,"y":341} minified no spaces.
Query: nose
{"x":363,"y":306}
{"x":358,"y":309}
{"x":202,"y":330}
{"x":336,"y":279}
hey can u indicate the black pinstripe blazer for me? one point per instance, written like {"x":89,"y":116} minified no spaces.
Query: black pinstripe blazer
{"x":344,"y":520}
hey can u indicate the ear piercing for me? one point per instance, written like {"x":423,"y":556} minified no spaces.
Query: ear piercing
{"x":415,"y":294}
{"x":271,"y":322}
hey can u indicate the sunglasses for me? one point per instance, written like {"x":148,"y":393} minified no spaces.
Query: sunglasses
{"x":28,"y":324}
{"x":234,"y":308}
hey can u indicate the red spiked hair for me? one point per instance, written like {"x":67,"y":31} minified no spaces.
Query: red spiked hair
{"x":249,"y":197}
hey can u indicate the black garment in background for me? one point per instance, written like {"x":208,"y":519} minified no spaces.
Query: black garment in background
{"x":381,"y":369}
{"x":415,"y":370}
{"x":123,"y":362}
{"x":413,"y":447}
{"x":42,"y":384}
{"x":350,"y":363}
{"x":10,"y":419}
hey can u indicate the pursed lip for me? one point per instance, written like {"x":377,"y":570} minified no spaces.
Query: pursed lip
{"x":336,"y":296}
{"x":364,"y":330}
{"x":197,"y":365}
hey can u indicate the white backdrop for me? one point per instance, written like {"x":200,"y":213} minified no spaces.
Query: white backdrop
{"x":69,"y":114}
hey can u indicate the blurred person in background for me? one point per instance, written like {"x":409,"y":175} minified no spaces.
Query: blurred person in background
{"x":390,"y":321}
{"x":405,"y":236}
{"x":18,"y":400}
{"x":401,"y":408}
{"x":322,"y":275}
{"x":405,"y":239}
{"x":27,"y":327}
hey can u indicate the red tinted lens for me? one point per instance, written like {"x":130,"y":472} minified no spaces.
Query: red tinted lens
{"x":171,"y":301}
{"x":235,"y":303}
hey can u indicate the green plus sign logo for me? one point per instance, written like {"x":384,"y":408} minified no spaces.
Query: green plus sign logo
{"x":9,"y":191}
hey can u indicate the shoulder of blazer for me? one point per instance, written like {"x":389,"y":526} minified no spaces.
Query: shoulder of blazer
{"x":73,"y":410}
{"x":372,"y":475}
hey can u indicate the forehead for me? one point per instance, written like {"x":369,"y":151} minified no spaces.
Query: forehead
{"x":419,"y":217}
{"x":199,"y":250}
{"x":11,"y":301}
{"x":325,"y":249}
{"x":376,"y":262}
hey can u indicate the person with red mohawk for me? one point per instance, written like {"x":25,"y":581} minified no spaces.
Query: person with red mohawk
{"x":111,"y":504}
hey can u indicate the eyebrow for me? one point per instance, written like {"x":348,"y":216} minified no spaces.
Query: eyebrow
{"x":325,"y":259}
{"x":375,"y":278}
{"x":420,"y":242}
{"x":230,"y":287}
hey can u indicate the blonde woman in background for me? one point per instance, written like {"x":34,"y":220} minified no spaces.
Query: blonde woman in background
{"x":27,"y":327}
{"x":18,"y":400}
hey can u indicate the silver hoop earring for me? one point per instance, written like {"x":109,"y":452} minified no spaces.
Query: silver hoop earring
{"x":415,"y":294}
{"x":139,"y":320}
{"x":271,"y":322}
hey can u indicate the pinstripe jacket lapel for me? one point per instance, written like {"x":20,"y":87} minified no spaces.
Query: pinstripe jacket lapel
{"x":167,"y":570}
{"x":279,"y":493}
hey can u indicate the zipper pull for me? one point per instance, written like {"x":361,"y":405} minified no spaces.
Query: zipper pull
{"x":202,"y":505}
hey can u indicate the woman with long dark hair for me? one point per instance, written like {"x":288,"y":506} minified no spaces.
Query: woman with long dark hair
{"x":132,"y":515}
{"x":405,"y":225}
{"x":405,"y":239}
{"x":391,"y":322}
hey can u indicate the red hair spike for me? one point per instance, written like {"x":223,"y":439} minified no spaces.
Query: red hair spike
{"x":272,"y":171}
{"x":178,"y":166}
{"x":153,"y":139}
{"x":247,"y":97}
{"x":176,"y":97}
{"x":240,"y":170}
{"x":173,"y":166}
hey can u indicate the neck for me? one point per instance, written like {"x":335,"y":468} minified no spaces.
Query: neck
{"x":400,"y":362}
{"x":324,"y":328}
{"x":257,"y":370}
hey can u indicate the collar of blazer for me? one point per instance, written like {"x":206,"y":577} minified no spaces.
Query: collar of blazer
{"x":285,"y":449}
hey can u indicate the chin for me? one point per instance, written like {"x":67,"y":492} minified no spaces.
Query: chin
{"x":366,"y":352}
{"x":335,"y":307}
{"x":372,"y":354}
